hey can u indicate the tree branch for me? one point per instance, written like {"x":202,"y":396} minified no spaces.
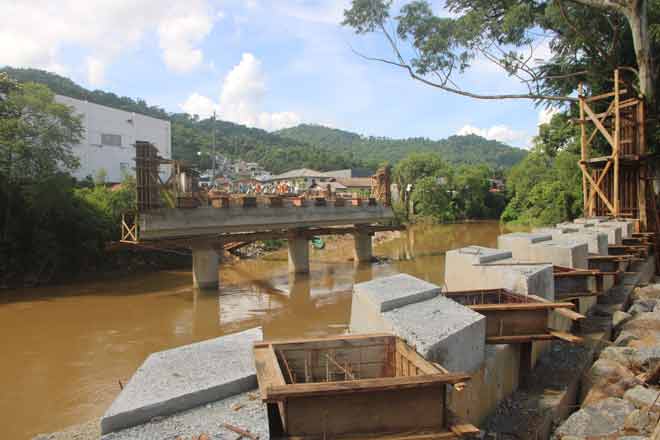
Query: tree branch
{"x":401,"y":63}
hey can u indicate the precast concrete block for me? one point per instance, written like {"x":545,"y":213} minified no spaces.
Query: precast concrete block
{"x":460,"y":264}
{"x":614,"y":232}
{"x":372,"y":298}
{"x":464,"y":271}
{"x":596,"y":241}
{"x":565,"y":252}
{"x":182,"y":378}
{"x":591,"y":220}
{"x":519,"y":243}
{"x":442,"y":331}
{"x":627,"y":227}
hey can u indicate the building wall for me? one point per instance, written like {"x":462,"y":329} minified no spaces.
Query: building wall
{"x":96,"y":150}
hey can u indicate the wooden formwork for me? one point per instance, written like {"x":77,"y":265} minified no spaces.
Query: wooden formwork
{"x":512,"y":318}
{"x":355,"y":385}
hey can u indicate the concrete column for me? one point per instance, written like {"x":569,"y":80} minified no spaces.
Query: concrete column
{"x":298,"y":254}
{"x":363,"y":247}
{"x":205,"y":268}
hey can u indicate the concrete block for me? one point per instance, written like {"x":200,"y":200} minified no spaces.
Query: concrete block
{"x":591,"y":220}
{"x":596,"y":241}
{"x":519,"y":243}
{"x":175,"y":380}
{"x":205,"y":268}
{"x":463,"y":271}
{"x":614,"y":232}
{"x":372,"y":298}
{"x":442,"y":331}
{"x":565,"y":252}
{"x":627,"y":227}
{"x":495,"y":380}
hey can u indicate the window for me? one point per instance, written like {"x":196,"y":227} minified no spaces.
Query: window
{"x":112,"y":140}
{"x":123,"y":168}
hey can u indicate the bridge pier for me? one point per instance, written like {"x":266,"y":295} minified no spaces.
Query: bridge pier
{"x":363,"y":246}
{"x":205,"y":267}
{"x":298,"y":252}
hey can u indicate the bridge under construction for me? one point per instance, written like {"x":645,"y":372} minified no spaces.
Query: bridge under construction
{"x":176,"y":213}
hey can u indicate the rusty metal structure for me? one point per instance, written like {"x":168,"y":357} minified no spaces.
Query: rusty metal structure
{"x":380,"y":185}
{"x":614,"y":156}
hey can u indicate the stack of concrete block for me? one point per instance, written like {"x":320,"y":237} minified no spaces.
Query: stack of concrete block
{"x":476,"y":267}
{"x":440,"y":329}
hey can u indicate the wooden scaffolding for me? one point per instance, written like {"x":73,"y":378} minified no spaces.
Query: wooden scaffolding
{"x":614,"y":181}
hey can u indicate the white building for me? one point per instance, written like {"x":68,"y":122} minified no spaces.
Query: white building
{"x":109,"y":137}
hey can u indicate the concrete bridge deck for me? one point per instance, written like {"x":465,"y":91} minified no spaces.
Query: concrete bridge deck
{"x":171,"y":223}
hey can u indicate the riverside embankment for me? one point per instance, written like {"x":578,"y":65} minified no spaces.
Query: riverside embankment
{"x":72,"y":344}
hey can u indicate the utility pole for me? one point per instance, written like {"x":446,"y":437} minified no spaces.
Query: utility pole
{"x":213,"y":162}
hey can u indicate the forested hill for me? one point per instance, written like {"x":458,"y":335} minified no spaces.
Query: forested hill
{"x":470,"y":149}
{"x":309,"y":146}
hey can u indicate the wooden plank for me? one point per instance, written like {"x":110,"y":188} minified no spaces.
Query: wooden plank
{"x":521,"y":306}
{"x":366,"y":338}
{"x":616,"y":153}
{"x":363,"y":385}
{"x":597,"y":188}
{"x":583,"y":145}
{"x":518,"y":339}
{"x":603,"y":173}
{"x":367,"y":413}
{"x":408,"y":353}
{"x":267,"y":368}
{"x":570,"y":314}
{"x":566,"y":337}
{"x":594,"y":118}
{"x":464,"y":429}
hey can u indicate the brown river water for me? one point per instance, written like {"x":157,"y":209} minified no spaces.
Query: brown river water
{"x":64,"y":349}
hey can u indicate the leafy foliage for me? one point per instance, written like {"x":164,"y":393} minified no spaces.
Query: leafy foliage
{"x":442,"y":193}
{"x":546,"y":187}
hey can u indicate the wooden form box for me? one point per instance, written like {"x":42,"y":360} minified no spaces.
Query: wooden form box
{"x":576,"y":283}
{"x":249,"y":202}
{"x":276,"y":201}
{"x":353,"y":385}
{"x":513,"y":318}
{"x":220,"y":202}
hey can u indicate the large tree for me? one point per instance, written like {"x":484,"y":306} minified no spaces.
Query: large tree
{"x":588,"y":38}
{"x":36,"y":136}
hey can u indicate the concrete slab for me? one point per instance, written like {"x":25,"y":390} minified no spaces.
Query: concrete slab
{"x":519,"y":243}
{"x":565,"y":252}
{"x":479,"y":254}
{"x":172,"y":222}
{"x":395,"y":291}
{"x":591,"y":220}
{"x":182,"y":378}
{"x":442,"y":331}
{"x":243,"y":410}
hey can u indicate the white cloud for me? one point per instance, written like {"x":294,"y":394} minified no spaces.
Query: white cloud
{"x":502,"y":133}
{"x":181,"y":31}
{"x":241,"y":99}
{"x":95,"y":71}
{"x":34,"y":33}
{"x":546,"y":114}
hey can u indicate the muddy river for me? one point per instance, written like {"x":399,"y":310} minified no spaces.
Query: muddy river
{"x":65,"y":349}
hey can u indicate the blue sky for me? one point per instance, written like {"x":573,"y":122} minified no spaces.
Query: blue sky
{"x":269,"y":64}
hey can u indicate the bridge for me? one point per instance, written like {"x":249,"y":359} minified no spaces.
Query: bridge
{"x":177,"y":214}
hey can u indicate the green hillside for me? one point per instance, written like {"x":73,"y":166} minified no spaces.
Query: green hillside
{"x":469,"y":149}
{"x":310,"y":146}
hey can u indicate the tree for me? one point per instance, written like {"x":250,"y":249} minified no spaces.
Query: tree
{"x":414,"y":167}
{"x":431,"y":200}
{"x":36,"y":136}
{"x":503,"y":30}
